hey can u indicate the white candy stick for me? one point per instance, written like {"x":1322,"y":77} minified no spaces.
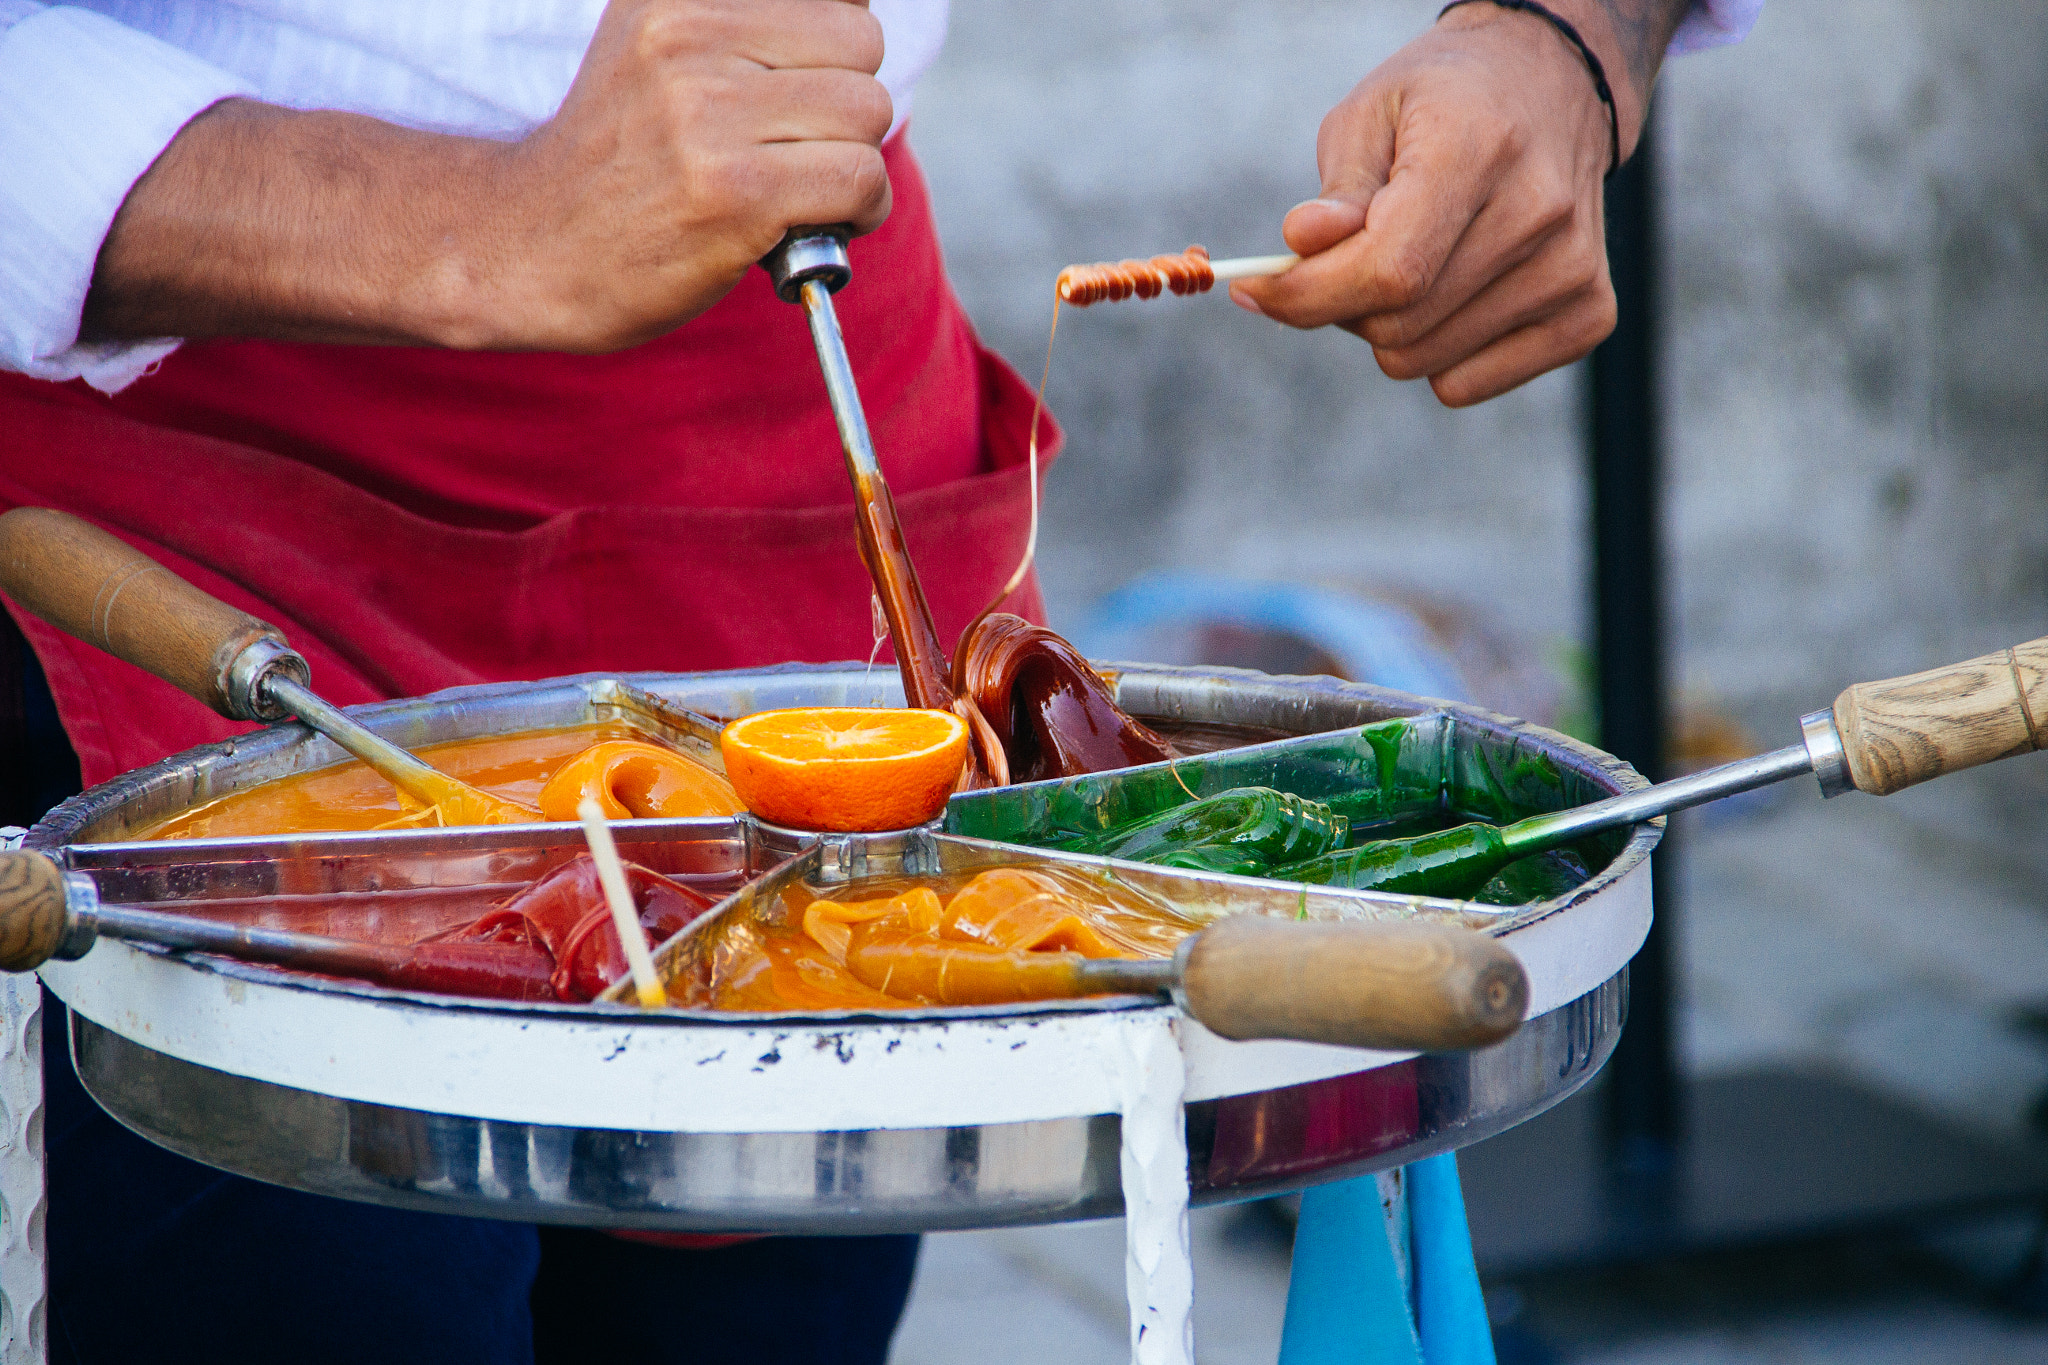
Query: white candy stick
{"x":611,"y":874}
{"x":1243,"y":267}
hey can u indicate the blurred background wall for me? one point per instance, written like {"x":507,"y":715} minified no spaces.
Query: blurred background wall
{"x":1855,"y":247}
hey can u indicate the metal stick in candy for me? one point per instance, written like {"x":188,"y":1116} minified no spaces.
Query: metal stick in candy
{"x":101,"y":590}
{"x":809,"y":266}
{"x":46,"y":912}
{"x":1879,"y":737}
{"x":611,"y":874}
{"x":1407,"y":986}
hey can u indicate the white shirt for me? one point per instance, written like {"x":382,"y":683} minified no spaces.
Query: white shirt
{"x":91,"y":93}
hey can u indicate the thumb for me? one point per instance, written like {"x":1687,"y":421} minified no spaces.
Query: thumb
{"x":1318,"y":224}
{"x":1354,"y":152}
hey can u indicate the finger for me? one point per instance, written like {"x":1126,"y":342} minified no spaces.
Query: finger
{"x":1520,"y":228}
{"x":819,"y":106}
{"x":1354,"y":148}
{"x":1563,"y":275}
{"x":818,"y":182}
{"x":793,"y":34}
{"x":1319,"y":224}
{"x":1516,"y":359}
{"x":1436,"y":187}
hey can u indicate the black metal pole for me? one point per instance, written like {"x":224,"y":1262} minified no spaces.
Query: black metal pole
{"x":1643,"y":1126}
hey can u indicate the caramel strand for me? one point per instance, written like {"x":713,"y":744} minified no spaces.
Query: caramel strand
{"x":1186,"y":272}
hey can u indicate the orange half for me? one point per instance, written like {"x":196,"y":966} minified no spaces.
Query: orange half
{"x":845,"y":768}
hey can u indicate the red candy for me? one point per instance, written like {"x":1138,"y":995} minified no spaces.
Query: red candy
{"x":554,"y":940}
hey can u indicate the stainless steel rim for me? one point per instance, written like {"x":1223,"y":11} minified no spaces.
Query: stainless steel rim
{"x":831,"y":1183}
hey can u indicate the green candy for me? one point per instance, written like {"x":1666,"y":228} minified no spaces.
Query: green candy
{"x":1256,"y":823}
{"x":1453,"y":862}
{"x":1232,"y":858}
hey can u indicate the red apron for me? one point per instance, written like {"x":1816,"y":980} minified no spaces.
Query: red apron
{"x":420,"y":519}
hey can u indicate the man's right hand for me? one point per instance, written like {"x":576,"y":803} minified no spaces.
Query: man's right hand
{"x":695,"y":134}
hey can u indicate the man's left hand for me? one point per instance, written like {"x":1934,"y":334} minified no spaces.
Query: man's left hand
{"x":1459,"y":228}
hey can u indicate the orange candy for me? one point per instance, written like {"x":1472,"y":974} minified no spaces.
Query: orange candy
{"x":1012,"y":908}
{"x":1007,"y":935}
{"x":845,"y":768}
{"x":636,"y":781}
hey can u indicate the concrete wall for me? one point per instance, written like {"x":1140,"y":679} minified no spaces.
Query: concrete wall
{"x":1857,"y":284}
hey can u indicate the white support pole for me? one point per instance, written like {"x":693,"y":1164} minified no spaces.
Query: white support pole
{"x":24,"y":1268}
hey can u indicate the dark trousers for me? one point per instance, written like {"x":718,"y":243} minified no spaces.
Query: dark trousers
{"x":156,"y":1258}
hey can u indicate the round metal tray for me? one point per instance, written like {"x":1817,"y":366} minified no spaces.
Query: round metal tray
{"x":833,"y":1123}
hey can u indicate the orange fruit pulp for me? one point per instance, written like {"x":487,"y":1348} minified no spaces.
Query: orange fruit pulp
{"x":845,"y":768}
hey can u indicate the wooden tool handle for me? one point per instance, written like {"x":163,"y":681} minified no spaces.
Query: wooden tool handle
{"x":1905,"y":730}
{"x":33,"y":920}
{"x":1400,"y":987}
{"x":91,"y":585}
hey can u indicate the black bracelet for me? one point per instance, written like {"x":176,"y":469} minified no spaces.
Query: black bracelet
{"x":1571,"y":35}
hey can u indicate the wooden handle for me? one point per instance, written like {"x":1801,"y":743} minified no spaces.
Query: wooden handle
{"x":33,"y":919}
{"x":1400,"y":987}
{"x":91,"y":585}
{"x":1905,"y":730}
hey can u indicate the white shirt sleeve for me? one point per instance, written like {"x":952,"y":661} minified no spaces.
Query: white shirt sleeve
{"x":86,"y":106}
{"x":1713,"y":23}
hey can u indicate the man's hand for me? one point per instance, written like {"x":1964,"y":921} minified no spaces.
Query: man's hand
{"x":695,"y":134}
{"x":1459,"y":228}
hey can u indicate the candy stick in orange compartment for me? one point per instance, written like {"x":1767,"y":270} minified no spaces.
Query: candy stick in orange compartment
{"x":611,"y":873}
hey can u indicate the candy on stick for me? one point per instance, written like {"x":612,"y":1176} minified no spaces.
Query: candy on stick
{"x":1182,"y":272}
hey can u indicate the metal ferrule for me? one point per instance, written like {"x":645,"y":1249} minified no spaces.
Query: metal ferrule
{"x":81,"y":917}
{"x":246,"y":683}
{"x":1824,"y":747}
{"x":1131,"y":976}
{"x":1181,"y":956}
{"x":808,"y":254}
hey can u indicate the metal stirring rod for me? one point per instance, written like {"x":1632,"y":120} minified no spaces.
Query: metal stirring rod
{"x":1879,"y":737}
{"x":808,"y":267}
{"x":1820,"y":753}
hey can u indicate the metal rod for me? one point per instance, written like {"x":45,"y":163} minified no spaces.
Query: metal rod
{"x":1548,"y":831}
{"x":1130,"y":976}
{"x":280,"y":947}
{"x":421,"y":781}
{"x":839,"y":386}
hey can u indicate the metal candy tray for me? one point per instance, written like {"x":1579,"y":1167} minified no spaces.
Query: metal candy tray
{"x":837,"y":1122}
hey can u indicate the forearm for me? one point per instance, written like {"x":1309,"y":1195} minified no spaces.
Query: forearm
{"x":695,"y":133}
{"x":319,"y":226}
